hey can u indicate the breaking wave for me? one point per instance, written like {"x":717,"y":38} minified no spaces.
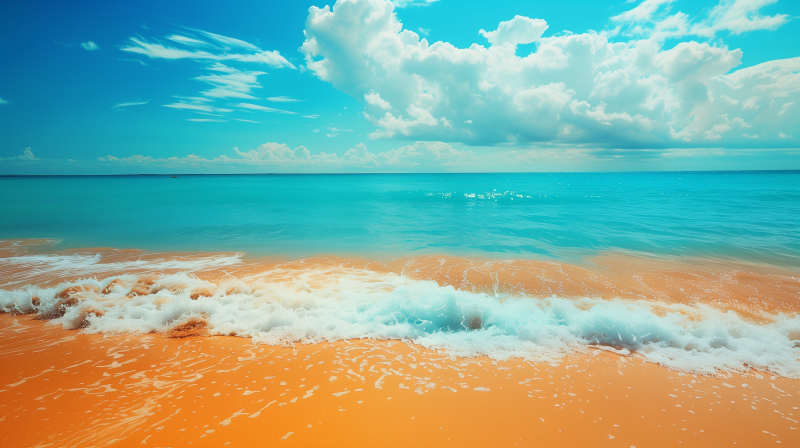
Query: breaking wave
{"x":284,"y":306}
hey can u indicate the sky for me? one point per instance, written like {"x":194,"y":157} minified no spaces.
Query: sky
{"x":98,"y":87}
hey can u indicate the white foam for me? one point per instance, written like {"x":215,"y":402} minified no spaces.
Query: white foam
{"x":85,"y":264}
{"x":280,"y":307}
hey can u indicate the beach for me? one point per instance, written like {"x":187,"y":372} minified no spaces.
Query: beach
{"x":75,"y":377}
{"x":642,"y":309}
{"x":65,"y":388}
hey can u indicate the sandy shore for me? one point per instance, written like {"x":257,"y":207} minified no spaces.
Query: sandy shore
{"x":64,"y":388}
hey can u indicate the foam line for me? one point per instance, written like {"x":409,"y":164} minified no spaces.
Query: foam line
{"x":314,"y":305}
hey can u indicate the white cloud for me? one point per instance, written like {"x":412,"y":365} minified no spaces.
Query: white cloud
{"x":262,"y":108}
{"x":196,"y":107}
{"x":420,"y":154}
{"x":27,"y":156}
{"x":405,"y":3}
{"x":785,"y":107}
{"x":226,"y":81}
{"x":2,"y":101}
{"x":283,"y":99}
{"x":230,"y":82}
{"x":90,"y":46}
{"x":642,"y":12}
{"x":740,"y":16}
{"x":519,"y":30}
{"x":375,"y":99}
{"x":122,"y":106}
{"x":735,"y":16}
{"x":203,"y":120}
{"x":134,"y":60}
{"x":161,"y":51}
{"x":573,"y":89}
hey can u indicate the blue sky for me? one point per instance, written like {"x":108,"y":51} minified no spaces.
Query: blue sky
{"x":372,"y":86}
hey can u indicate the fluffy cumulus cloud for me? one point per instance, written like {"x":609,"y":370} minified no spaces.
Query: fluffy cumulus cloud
{"x":520,"y":30}
{"x":421,"y":154}
{"x":573,"y":89}
{"x":26,"y":156}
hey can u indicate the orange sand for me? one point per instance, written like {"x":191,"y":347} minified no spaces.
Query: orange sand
{"x":67,"y":389}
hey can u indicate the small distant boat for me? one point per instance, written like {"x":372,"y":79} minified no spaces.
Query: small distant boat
{"x":174,"y":177}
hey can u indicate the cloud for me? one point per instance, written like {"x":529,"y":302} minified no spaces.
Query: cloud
{"x":519,"y":30}
{"x":134,"y":60}
{"x":405,"y":3}
{"x":643,"y":12}
{"x":122,"y":106}
{"x":27,"y":156}
{"x":229,"y":82}
{"x":156,"y":50}
{"x":90,"y":46}
{"x":740,"y":16}
{"x":375,"y":99}
{"x":735,"y":16}
{"x":225,"y":80}
{"x":2,"y":101}
{"x":197,"y":107}
{"x":262,"y":108}
{"x":785,"y":107}
{"x":419,"y":154}
{"x":573,"y":89}
{"x":283,"y":99}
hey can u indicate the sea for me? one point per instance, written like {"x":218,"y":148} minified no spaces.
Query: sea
{"x":697,"y":271}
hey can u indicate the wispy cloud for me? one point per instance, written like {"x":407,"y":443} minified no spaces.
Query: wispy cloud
{"x":219,"y":54}
{"x":312,"y":116}
{"x":198,"y":107}
{"x":262,"y":108}
{"x":134,"y":60}
{"x":283,"y":99}
{"x":156,"y":50}
{"x":122,"y":106}
{"x":2,"y":101}
{"x":90,"y":46}
{"x":230,"y":82}
{"x":404,"y":3}
{"x":246,"y":121}
{"x":205,"y":120}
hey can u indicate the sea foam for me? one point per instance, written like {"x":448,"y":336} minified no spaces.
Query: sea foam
{"x":313,"y":305}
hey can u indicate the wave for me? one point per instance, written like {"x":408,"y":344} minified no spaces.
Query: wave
{"x":311,"y":305}
{"x":23,"y":267}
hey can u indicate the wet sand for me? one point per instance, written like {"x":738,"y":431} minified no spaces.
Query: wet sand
{"x":68,"y":389}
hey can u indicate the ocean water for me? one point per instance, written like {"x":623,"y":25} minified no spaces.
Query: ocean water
{"x":733,"y":218}
{"x":752,"y":216}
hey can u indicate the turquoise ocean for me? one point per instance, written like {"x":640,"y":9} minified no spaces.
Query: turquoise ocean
{"x":750,"y":216}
